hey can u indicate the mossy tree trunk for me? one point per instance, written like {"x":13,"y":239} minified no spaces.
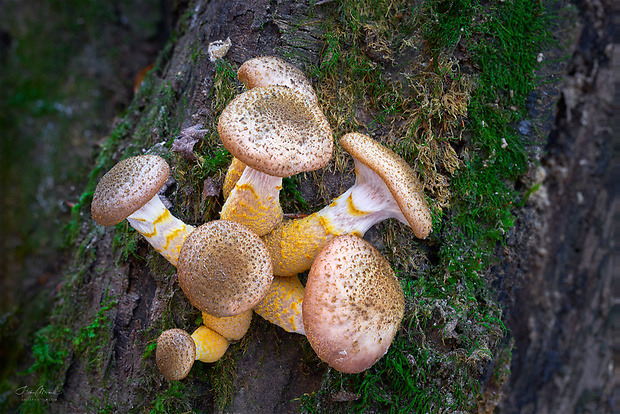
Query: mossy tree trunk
{"x":552,"y":278}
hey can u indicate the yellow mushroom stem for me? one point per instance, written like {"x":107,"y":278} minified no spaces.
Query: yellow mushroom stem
{"x":210,"y":346}
{"x":232,"y":328}
{"x":295,"y":244}
{"x":255,"y":202}
{"x":283,"y":303}
{"x":235,"y":169}
{"x":161,"y":229}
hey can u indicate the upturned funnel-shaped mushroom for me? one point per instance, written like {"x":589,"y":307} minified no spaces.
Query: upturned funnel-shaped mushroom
{"x":353,"y":305}
{"x":224,"y":268}
{"x":129,"y":191}
{"x":385,"y":187}
{"x":276,"y":132}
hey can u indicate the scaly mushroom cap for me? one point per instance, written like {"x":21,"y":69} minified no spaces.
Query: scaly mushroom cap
{"x":277,"y":131}
{"x":175,"y":354}
{"x":353,"y":304}
{"x":397,"y":175}
{"x":224,"y":268}
{"x":271,"y":70}
{"x":129,"y":185}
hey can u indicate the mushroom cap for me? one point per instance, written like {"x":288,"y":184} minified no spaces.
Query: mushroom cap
{"x":353,"y":304}
{"x":277,"y":131}
{"x":397,"y":175}
{"x":175,"y":354}
{"x":271,"y":70}
{"x":224,"y":268}
{"x":129,"y":185}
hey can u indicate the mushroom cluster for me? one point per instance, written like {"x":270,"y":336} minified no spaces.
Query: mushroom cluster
{"x":248,"y":261}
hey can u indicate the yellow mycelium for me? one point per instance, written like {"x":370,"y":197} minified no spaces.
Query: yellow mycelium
{"x":283,"y":303}
{"x":255,"y":202}
{"x":232,"y":328}
{"x":162,"y":230}
{"x":210,"y":346}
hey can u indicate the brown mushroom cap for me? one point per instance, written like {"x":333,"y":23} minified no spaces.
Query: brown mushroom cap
{"x":397,"y":175}
{"x":353,"y":304}
{"x":129,"y":185}
{"x":224,"y":268}
{"x":175,"y":354}
{"x":271,"y":70}
{"x":277,"y":131}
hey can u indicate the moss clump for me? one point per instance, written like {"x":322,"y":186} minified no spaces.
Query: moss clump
{"x":450,"y":118}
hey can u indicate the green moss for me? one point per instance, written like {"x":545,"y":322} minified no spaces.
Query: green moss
{"x":456,"y":130}
{"x":171,"y":401}
{"x":91,"y":340}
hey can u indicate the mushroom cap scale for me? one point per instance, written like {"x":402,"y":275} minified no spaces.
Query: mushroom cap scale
{"x":353,"y":304}
{"x":397,"y":175}
{"x":276,"y":130}
{"x":224,"y":268}
{"x":175,"y":354}
{"x":127,"y":187}
{"x":271,"y":70}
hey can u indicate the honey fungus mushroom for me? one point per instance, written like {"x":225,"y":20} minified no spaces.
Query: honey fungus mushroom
{"x":224,"y":268}
{"x":276,"y":132}
{"x":129,"y":191}
{"x":385,"y":187}
{"x":271,"y":70}
{"x":353,"y":305}
{"x":177,"y":350}
{"x":267,"y":71}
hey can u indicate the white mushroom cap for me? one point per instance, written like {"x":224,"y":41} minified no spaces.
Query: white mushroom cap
{"x":175,"y":354}
{"x":353,"y":304}
{"x":128,"y":186}
{"x":277,"y":131}
{"x":224,"y":268}
{"x":271,"y":70}
{"x":397,"y":175}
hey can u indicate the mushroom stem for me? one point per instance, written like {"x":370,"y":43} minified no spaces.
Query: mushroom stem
{"x":283,"y":303}
{"x":161,"y":229}
{"x":368,"y":202}
{"x":210,"y":345}
{"x":232,"y":328}
{"x":255,"y":201}
{"x":294,"y":245}
{"x":235,"y":169}
{"x":386,"y":188}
